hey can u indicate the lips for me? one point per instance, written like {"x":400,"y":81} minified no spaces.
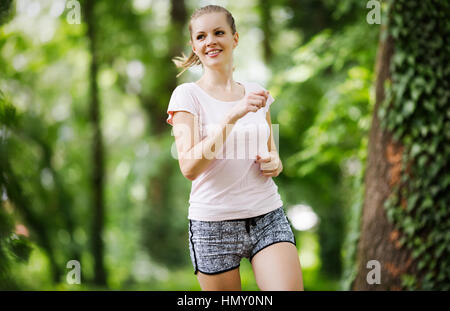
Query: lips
{"x":213,"y":53}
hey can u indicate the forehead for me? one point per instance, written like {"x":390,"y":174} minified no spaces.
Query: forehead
{"x":209,"y":22}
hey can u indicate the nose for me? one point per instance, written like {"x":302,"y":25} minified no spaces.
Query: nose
{"x":210,"y":41}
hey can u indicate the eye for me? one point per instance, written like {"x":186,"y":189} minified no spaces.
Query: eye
{"x":219,"y":31}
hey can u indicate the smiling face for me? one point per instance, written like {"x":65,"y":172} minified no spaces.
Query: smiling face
{"x":212,"y":39}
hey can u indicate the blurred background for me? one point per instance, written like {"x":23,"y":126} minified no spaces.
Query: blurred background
{"x":87,"y":166}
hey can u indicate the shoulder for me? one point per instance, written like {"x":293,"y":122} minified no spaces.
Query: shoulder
{"x":254,"y":86}
{"x":183,"y":98}
{"x":183,"y":88}
{"x":185,"y":92}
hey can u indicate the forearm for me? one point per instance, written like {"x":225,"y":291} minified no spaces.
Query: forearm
{"x":197,"y":159}
{"x":276,"y":157}
{"x":280,"y":167}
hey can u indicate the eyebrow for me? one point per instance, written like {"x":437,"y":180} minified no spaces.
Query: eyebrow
{"x":214,"y":29}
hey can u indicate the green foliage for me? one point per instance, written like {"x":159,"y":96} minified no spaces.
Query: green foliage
{"x":13,"y":248}
{"x":417,"y":112}
{"x":321,"y":85}
{"x":8,"y":116}
{"x":323,"y":110}
{"x":6,"y":227}
{"x":20,"y":247}
{"x":5,"y":10}
{"x":327,"y":14}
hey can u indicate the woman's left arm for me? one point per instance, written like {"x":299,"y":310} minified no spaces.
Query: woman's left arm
{"x":272,"y":165}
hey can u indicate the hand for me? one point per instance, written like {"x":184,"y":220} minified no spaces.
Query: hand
{"x":252,"y":102}
{"x":271,"y":166}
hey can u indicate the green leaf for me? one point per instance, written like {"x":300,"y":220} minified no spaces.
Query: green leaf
{"x":422,"y":160}
{"x":428,"y":202}
{"x":423,"y":131}
{"x":421,"y":265}
{"x":20,"y":247}
{"x":8,"y":115}
{"x":409,"y":107}
{"x":412,"y":201}
{"x":415,"y":150}
{"x":415,"y":93}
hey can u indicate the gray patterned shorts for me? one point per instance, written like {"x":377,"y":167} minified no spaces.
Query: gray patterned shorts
{"x":219,"y":246}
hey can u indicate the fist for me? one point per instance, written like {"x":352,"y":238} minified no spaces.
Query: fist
{"x":251,"y":103}
{"x":271,"y":165}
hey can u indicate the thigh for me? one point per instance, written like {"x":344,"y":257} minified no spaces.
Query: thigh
{"x":273,"y":228}
{"x":277,"y":267}
{"x":224,"y":281}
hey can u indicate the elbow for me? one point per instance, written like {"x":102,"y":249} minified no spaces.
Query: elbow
{"x":186,"y":169}
{"x":190,"y":176}
{"x":188,"y":173}
{"x":280,"y":168}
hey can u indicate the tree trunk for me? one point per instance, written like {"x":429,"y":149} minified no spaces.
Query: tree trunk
{"x":97,"y":153}
{"x":266,"y":24}
{"x":160,"y":231}
{"x":378,"y":238}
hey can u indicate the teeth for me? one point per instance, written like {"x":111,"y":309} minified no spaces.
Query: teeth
{"x":213,"y":52}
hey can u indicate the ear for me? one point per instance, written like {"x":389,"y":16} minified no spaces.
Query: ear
{"x":192,"y":47}
{"x":236,"y":39}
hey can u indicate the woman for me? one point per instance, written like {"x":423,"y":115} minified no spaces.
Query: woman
{"x":235,"y":210}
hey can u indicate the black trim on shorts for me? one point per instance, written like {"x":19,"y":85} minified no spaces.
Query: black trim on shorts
{"x":251,"y":257}
{"x":292,"y":229}
{"x":193,"y":248}
{"x":221,"y":271}
{"x":196,"y":270}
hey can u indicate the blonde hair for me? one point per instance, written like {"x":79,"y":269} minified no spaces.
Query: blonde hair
{"x":186,"y":62}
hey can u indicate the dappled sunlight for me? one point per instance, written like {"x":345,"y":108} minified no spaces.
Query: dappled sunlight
{"x":89,"y":172}
{"x":302,"y":217}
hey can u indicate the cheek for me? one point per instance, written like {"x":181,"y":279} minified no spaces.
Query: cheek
{"x":198,"y":50}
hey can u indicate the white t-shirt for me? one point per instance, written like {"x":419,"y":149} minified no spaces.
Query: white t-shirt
{"x":232,"y":187}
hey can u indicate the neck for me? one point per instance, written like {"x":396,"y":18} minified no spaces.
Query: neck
{"x":220,"y":78}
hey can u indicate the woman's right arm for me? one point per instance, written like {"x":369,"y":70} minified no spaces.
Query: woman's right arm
{"x":195,"y":156}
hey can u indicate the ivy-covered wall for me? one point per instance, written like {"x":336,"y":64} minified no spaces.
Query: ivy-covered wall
{"x":417,"y":112}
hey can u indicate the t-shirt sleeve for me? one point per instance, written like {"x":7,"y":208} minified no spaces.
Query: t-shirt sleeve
{"x":181,"y":100}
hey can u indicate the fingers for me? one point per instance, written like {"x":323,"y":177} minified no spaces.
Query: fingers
{"x":269,"y":163}
{"x":256,"y":104}
{"x":262,"y":160}
{"x":257,"y":100}
{"x":257,"y":96}
{"x":269,"y":173}
{"x":262,"y":93}
{"x":268,"y":166}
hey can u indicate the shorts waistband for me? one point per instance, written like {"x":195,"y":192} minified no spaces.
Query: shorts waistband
{"x":250,"y":221}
